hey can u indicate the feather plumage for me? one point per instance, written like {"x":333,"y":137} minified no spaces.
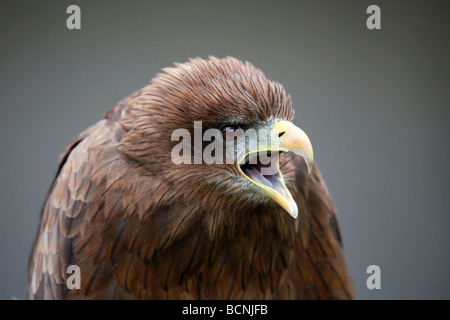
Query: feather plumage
{"x":140,"y":227}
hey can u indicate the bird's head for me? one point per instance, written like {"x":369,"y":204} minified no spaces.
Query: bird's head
{"x":216,"y":130}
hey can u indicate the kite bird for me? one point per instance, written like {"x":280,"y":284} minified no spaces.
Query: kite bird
{"x":140,"y":226}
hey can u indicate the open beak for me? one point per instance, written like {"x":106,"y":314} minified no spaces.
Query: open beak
{"x":262,"y":166}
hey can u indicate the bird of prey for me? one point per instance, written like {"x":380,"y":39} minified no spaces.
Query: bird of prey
{"x":140,"y":224}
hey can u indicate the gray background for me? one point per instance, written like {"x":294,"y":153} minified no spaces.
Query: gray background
{"x":374,"y":103}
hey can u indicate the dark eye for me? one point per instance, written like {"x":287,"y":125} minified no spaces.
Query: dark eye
{"x":229,"y":132}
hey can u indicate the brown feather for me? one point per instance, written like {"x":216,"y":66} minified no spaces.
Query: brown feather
{"x":140,"y":227}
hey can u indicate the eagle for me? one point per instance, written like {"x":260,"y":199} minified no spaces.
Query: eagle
{"x":140,"y":219}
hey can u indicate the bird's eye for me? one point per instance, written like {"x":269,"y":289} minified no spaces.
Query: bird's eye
{"x":229,"y":132}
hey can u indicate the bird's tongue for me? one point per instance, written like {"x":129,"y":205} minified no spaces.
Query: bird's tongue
{"x":272,"y":181}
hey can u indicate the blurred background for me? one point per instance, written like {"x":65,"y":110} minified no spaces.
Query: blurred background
{"x":375,"y":104}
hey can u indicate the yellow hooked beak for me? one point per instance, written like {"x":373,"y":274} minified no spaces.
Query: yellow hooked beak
{"x":266,"y":174}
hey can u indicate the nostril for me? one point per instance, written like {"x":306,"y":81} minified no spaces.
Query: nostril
{"x":281,"y":134}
